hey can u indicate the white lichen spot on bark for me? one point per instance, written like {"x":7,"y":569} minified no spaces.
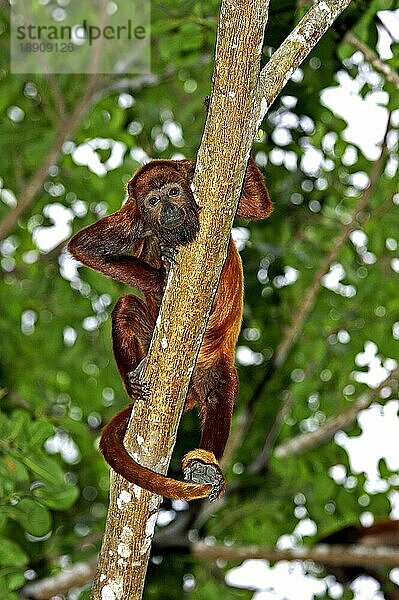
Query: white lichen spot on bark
{"x":102,"y":577}
{"x":323,"y":548}
{"x":122,"y":563}
{"x":127,"y":535}
{"x":136,"y":491}
{"x":195,"y":197}
{"x":289,"y":74}
{"x":297,"y":37}
{"x":140,"y":439}
{"x":150,"y":525}
{"x":111,"y":552}
{"x":124,"y":498}
{"x":124,"y":550}
{"x":315,"y":22}
{"x":263,"y":108}
{"x":324,"y":6}
{"x":113,"y":590}
{"x":107,"y":593}
{"x":149,"y":532}
{"x":146,"y":545}
{"x":231,"y":95}
{"x":164,"y":343}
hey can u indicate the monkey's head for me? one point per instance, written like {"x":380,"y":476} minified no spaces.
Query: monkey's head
{"x":165,"y":201}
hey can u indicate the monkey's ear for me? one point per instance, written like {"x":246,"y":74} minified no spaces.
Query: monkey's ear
{"x":130,"y":191}
{"x":186,"y":167}
{"x":255,"y":201}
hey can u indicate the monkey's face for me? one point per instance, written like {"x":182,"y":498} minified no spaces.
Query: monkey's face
{"x":168,"y":207}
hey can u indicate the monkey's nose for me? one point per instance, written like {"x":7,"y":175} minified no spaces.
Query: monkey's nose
{"x":171,"y":215}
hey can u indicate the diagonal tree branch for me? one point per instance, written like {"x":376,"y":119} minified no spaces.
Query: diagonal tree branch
{"x":77,"y":576}
{"x":369,"y":54}
{"x":295,"y":48}
{"x":372,"y":57}
{"x":66,"y":128}
{"x":329,"y":428}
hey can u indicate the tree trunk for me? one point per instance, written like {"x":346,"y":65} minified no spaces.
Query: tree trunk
{"x":236,"y":108}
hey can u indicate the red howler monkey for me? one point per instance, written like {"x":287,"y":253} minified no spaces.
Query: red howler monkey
{"x":132,"y":246}
{"x":383,"y":533}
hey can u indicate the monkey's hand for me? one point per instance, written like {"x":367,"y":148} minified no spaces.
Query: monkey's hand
{"x":169,"y":254}
{"x":136,"y":387}
{"x":201,"y":466}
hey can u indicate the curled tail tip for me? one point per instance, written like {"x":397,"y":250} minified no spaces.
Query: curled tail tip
{"x":123,"y":464}
{"x":199,"y":483}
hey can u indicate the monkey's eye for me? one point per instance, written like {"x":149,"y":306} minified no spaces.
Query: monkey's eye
{"x":152,"y":200}
{"x":174,"y":191}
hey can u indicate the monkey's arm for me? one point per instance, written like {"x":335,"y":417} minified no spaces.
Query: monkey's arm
{"x":255,"y":201}
{"x":105,"y":247}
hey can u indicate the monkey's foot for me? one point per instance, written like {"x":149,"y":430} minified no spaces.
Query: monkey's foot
{"x":201,"y":466}
{"x":137,"y":389}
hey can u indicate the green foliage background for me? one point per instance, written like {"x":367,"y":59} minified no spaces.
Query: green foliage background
{"x":59,"y":383}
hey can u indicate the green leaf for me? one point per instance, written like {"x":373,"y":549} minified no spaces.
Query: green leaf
{"x":33,"y":517}
{"x":45,"y":467}
{"x":345,"y":51}
{"x":39,"y":432}
{"x":11,"y":553}
{"x":13,"y":469}
{"x":58,"y":498}
{"x":19,"y":422}
{"x":14,"y":579}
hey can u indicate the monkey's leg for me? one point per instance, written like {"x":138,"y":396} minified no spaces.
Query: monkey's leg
{"x":214,"y":391}
{"x":132,"y":327}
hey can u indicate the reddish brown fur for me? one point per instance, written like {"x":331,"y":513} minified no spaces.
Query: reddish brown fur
{"x":126,"y":246}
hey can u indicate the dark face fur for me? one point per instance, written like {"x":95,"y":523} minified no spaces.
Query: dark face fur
{"x":166,"y":204}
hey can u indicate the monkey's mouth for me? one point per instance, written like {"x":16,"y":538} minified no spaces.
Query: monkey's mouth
{"x":178,"y":235}
{"x":172,"y":216}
